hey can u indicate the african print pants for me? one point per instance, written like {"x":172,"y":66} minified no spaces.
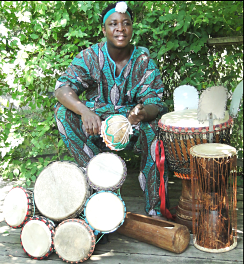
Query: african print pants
{"x":83,"y":147}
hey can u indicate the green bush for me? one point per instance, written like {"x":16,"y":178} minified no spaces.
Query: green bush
{"x":40,"y":39}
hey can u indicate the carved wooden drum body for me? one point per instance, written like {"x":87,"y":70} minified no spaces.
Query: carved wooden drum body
{"x":214,"y":185}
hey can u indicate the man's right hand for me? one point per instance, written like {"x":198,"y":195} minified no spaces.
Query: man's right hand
{"x":92,"y":122}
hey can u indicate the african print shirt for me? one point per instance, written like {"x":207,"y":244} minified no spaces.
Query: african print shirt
{"x":93,"y":71}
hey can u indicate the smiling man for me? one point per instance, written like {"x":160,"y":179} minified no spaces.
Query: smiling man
{"x":118,"y":77}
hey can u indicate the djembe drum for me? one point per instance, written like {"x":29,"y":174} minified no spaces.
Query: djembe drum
{"x":18,"y":206}
{"x":37,"y":237}
{"x":104,"y":212}
{"x":106,"y":171}
{"x":61,"y":190}
{"x":214,"y":185}
{"x":74,"y":241}
{"x":179,"y":131}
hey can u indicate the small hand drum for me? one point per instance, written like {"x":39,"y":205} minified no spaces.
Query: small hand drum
{"x":18,"y":206}
{"x":37,"y":237}
{"x":116,"y":131}
{"x":74,"y":241}
{"x":104,"y":212}
{"x":106,"y":171}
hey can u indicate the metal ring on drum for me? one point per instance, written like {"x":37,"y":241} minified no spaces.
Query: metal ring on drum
{"x":37,"y":237}
{"x":104,"y":212}
{"x":74,"y":240}
{"x":214,"y":184}
{"x":61,"y":190}
{"x":106,"y":171}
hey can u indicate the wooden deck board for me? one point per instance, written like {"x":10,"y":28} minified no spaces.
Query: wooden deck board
{"x":121,"y":249}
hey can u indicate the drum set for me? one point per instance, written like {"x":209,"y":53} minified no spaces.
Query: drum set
{"x":69,"y":206}
{"x":196,"y":141}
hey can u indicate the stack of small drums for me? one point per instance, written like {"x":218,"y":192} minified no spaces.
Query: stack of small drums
{"x":68,"y":208}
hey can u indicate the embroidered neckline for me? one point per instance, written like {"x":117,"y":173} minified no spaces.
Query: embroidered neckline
{"x":117,"y":78}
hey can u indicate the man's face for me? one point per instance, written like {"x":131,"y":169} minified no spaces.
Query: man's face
{"x":118,"y":30}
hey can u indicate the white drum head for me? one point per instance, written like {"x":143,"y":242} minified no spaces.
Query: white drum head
{"x":188,"y":118}
{"x":105,"y":171}
{"x":60,"y":190}
{"x":73,"y":242}
{"x":105,"y":211}
{"x":15,"y":207}
{"x":212,"y":150}
{"x":36,"y":238}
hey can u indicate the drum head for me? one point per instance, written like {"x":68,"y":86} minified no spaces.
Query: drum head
{"x":36,"y":238}
{"x":188,"y":118}
{"x":105,"y":211}
{"x":74,"y":241}
{"x":106,"y":171}
{"x":60,"y":190}
{"x":212,"y":150}
{"x":15,"y":207}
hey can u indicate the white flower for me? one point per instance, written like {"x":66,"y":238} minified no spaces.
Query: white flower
{"x":121,"y":7}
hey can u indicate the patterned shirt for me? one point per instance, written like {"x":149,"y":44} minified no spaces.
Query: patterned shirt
{"x":93,"y":71}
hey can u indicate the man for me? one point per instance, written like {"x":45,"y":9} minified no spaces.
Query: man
{"x":118,"y":78}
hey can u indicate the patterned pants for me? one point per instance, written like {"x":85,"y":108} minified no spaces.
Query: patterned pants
{"x":83,"y":147}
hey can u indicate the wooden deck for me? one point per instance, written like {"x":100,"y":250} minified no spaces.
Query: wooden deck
{"x":121,"y":249}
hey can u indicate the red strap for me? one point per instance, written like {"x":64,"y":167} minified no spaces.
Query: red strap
{"x":160,"y":165}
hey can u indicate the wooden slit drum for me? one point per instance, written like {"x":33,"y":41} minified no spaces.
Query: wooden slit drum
{"x":164,"y":234}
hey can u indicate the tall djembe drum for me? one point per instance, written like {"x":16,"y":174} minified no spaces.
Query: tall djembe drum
{"x":214,"y":184}
{"x":182,"y":129}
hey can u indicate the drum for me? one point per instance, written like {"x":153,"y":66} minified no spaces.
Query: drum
{"x":18,"y":206}
{"x":37,"y":237}
{"x":214,"y":184}
{"x":116,"y":131}
{"x":179,"y":131}
{"x":104,"y":212}
{"x":106,"y":171}
{"x":74,"y":241}
{"x":160,"y":233}
{"x":61,"y":191}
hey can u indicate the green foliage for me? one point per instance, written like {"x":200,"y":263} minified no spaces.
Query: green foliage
{"x":39,"y":39}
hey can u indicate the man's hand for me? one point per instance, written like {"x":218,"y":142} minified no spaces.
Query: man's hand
{"x":92,"y":122}
{"x":137,"y":114}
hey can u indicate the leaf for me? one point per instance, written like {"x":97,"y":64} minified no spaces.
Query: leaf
{"x":238,"y":28}
{"x":7,"y":3}
{"x":55,"y":36}
{"x":33,"y":178}
{"x":42,"y":42}
{"x":34,"y":36}
{"x":60,"y":143}
{"x":187,"y":23}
